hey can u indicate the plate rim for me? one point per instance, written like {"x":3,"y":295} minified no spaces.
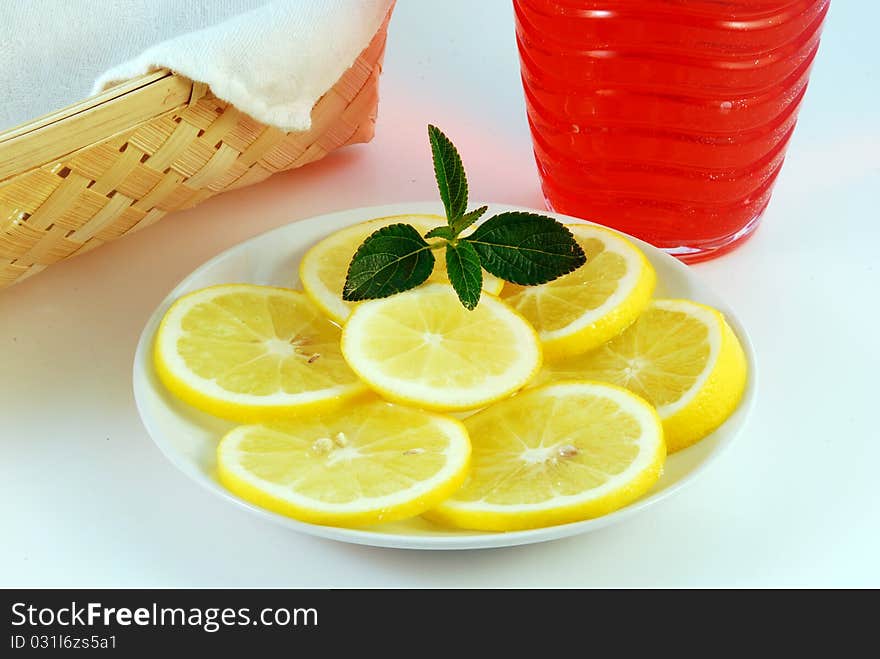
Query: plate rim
{"x":464,"y":540}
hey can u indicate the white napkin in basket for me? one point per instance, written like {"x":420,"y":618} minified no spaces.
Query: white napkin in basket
{"x":273,"y":62}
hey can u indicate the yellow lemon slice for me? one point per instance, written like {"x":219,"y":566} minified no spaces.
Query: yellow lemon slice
{"x":248,"y":352}
{"x":374,"y":462}
{"x":585,"y":308}
{"x":679,"y":355}
{"x":323,"y":269}
{"x":424,"y":348}
{"x":556,"y":454}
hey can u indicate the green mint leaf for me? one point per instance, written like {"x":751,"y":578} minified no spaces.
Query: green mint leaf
{"x":451,"y":179}
{"x":460,"y":224}
{"x":393,"y":259}
{"x":526,"y":248}
{"x":465,"y":273}
{"x":441,"y":232}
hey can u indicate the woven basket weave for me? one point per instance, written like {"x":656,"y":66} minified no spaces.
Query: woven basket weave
{"x":120,"y":160}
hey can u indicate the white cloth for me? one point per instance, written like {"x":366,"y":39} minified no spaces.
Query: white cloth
{"x":53,"y":50}
{"x":273,"y":62}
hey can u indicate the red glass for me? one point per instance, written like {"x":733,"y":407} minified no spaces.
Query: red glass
{"x":666,"y":119}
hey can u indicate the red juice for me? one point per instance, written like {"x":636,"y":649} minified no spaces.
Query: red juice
{"x":666,"y":119}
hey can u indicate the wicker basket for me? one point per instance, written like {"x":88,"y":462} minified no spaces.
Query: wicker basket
{"x":119,"y":161}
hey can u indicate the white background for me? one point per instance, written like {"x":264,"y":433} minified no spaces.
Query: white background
{"x":87,"y":499}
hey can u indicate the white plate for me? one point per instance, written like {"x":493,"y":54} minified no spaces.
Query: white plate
{"x":188,"y":437}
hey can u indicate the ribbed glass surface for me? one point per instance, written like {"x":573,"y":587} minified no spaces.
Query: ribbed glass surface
{"x":667,"y":119}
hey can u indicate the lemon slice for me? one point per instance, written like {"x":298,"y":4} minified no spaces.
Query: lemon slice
{"x":252,"y":352}
{"x":556,"y":454}
{"x":585,"y":308}
{"x":323,"y":269}
{"x":424,"y":348}
{"x":679,"y":355}
{"x":373,"y":462}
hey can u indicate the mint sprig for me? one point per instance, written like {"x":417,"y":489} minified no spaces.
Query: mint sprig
{"x":449,"y":171}
{"x":463,"y":267}
{"x":526,"y":248}
{"x":462,"y":222}
{"x":393,"y":259}
{"x":519,"y":247}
